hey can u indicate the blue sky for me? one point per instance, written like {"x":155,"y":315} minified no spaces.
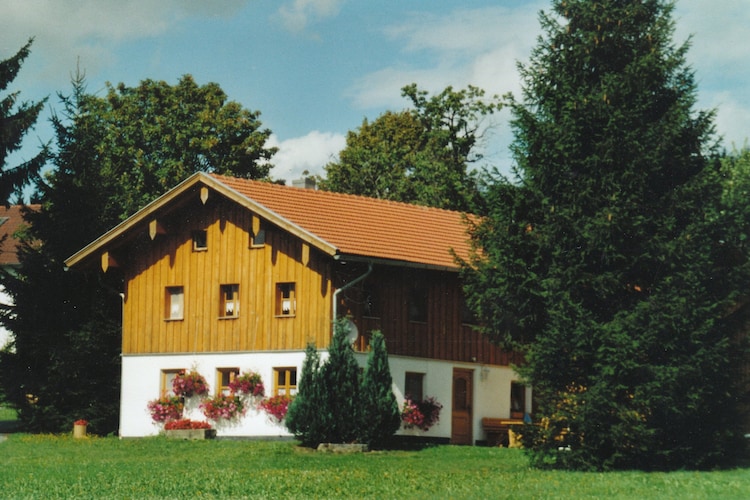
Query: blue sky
{"x":316,"y":68}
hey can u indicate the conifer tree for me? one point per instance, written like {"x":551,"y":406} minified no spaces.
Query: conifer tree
{"x":339,"y":408}
{"x":380,"y":414}
{"x":301,"y":416}
{"x":603,"y":258}
{"x":16,"y":120}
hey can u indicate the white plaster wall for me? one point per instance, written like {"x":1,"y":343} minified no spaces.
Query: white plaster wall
{"x":5,"y":335}
{"x":141,"y":381}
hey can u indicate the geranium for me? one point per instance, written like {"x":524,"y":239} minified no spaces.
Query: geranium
{"x":81,"y":422}
{"x":276,"y":406}
{"x":166,"y":408}
{"x":249,"y":384}
{"x":223,"y":406}
{"x":186,"y":423}
{"x":420,"y":414}
{"x":189,"y":384}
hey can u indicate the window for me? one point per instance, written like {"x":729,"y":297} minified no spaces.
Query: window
{"x":418,"y":304}
{"x":200,"y":241}
{"x":229,"y":301}
{"x":284,"y":381}
{"x":258,"y":238}
{"x":167,"y":376}
{"x":286,"y":305}
{"x":224,"y":377}
{"x":517,"y":399}
{"x":174,"y":303}
{"x":467,"y":315}
{"x":413,"y":386}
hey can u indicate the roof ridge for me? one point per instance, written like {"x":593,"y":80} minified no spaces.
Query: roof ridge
{"x":320,"y":192}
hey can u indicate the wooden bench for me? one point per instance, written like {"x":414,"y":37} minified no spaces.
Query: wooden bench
{"x":497,"y":430}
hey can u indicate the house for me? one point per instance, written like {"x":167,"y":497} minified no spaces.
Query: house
{"x":226,"y":275}
{"x":11,"y":220}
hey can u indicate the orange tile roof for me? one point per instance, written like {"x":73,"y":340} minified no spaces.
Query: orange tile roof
{"x":11,"y":219}
{"x":365,"y":227}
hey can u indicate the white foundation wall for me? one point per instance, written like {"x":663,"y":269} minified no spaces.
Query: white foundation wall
{"x":142,"y":378}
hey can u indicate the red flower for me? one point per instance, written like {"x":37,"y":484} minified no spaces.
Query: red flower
{"x":81,"y":422}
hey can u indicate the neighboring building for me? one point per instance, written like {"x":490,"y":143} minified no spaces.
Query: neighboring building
{"x":11,"y":220}
{"x":225,"y":275}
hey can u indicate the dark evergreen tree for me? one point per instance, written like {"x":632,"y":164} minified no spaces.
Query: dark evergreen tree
{"x":604,"y":257}
{"x":380,"y":413}
{"x":301,"y":416}
{"x":339,"y":392}
{"x":16,"y":120}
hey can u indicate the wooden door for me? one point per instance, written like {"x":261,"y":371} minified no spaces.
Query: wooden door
{"x":461,"y":420}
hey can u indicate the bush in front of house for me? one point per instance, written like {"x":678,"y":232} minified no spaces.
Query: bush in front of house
{"x":334,"y":404}
{"x":380,"y":413}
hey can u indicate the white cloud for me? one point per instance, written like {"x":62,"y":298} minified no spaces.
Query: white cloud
{"x":310,"y":152}
{"x":468,"y":46}
{"x":296,"y":15}
{"x":90,"y":30}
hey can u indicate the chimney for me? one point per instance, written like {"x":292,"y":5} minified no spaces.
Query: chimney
{"x":305,"y":182}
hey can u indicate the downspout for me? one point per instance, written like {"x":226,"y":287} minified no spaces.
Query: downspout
{"x":346,"y":286}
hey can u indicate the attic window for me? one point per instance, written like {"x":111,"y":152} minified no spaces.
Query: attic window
{"x":258,"y":239}
{"x":200,"y":240}
{"x":3,"y":220}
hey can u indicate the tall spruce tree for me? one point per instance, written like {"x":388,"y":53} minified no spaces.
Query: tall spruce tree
{"x":16,"y":120}
{"x":380,"y":413}
{"x":603,"y":258}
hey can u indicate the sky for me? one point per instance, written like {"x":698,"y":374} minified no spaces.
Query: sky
{"x":316,"y":68}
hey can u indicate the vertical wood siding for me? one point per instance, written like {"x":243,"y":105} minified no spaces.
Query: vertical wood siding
{"x":169,"y":260}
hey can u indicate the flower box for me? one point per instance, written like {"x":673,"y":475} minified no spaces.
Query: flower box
{"x":191,"y":434}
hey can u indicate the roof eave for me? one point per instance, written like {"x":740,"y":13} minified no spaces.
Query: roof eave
{"x":143,"y":214}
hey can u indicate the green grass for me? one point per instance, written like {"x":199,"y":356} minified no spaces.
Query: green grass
{"x":7,"y":414}
{"x":45,"y":466}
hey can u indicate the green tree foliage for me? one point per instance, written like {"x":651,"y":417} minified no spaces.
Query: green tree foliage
{"x":381,"y":417}
{"x":334,"y":404}
{"x":420,"y":155}
{"x":113,"y":155}
{"x":605,"y":259}
{"x":301,"y":415}
{"x":16,"y":120}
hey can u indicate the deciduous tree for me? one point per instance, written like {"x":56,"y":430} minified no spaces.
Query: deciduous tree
{"x":421,"y":155}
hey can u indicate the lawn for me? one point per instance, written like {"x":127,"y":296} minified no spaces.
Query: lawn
{"x":44,"y":466}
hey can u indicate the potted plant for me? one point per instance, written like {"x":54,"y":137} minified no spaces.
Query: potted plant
{"x":248,"y":384}
{"x":165,"y":408}
{"x":420,"y":414}
{"x":223,"y":407}
{"x":79,"y":428}
{"x":185,"y":428}
{"x":276,"y":406}
{"x":189,"y":384}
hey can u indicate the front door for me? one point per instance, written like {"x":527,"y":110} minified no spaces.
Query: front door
{"x":461,"y":420}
